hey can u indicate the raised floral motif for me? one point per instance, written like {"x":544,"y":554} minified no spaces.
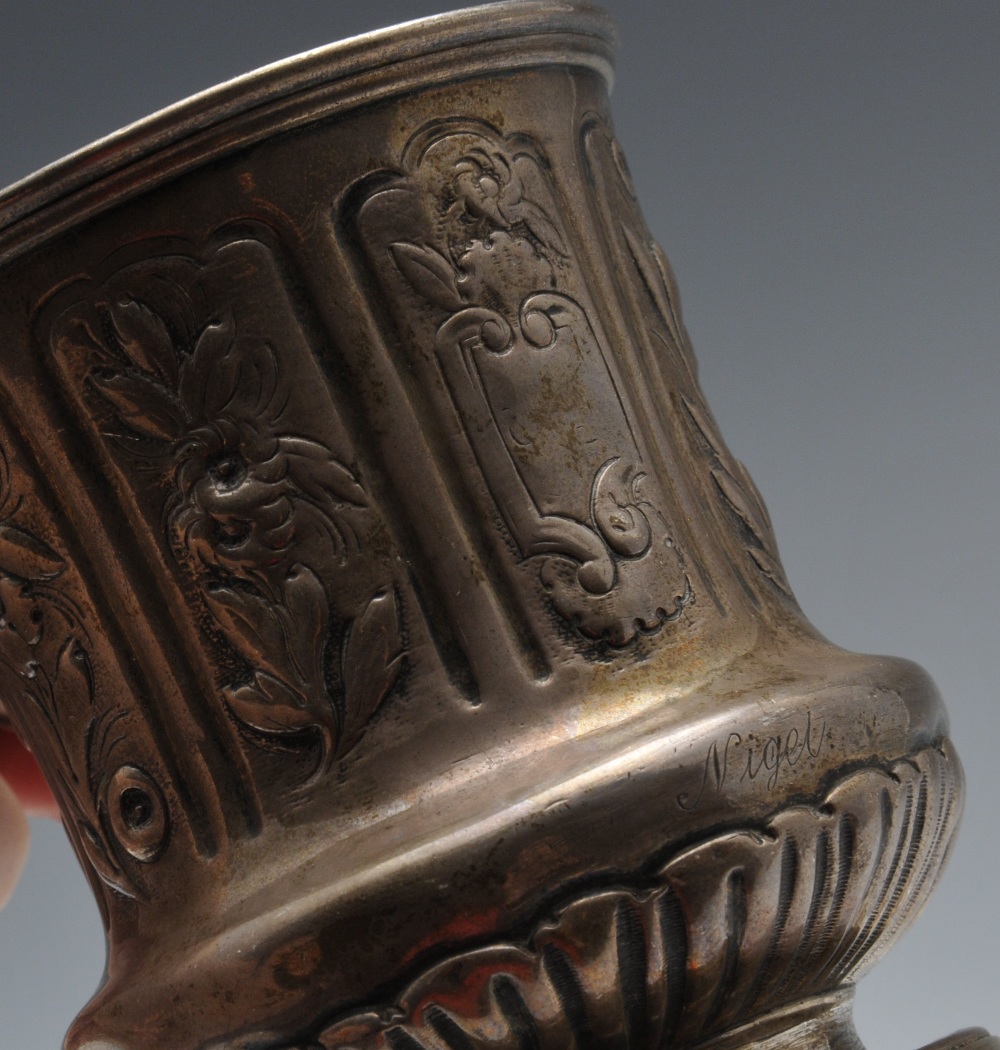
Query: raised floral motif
{"x":46,"y":677}
{"x":529,"y":373}
{"x":266,"y":518}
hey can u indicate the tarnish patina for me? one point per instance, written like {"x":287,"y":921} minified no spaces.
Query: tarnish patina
{"x":412,"y":661}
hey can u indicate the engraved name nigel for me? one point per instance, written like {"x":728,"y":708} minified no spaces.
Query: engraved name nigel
{"x":756,"y":757}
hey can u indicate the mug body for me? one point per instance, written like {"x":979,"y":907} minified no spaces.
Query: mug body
{"x":410,"y":658}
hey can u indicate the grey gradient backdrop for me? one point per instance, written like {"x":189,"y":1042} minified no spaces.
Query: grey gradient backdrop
{"x":824,"y":176}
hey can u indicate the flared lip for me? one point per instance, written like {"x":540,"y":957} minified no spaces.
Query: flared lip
{"x":318,"y":83}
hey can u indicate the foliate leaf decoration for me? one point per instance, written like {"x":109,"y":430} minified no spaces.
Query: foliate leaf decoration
{"x":74,"y":695}
{"x":740,"y":495}
{"x":268,"y":707}
{"x":652,"y":278}
{"x":254,"y":628}
{"x":539,"y":225}
{"x":430,"y":273}
{"x":705,"y":427}
{"x":63,"y":687}
{"x":198,"y":384}
{"x":373,"y":658}
{"x":736,"y":498}
{"x":44,"y":661}
{"x":308,"y":626}
{"x":673,"y":297}
{"x":15,"y":650}
{"x":145,"y":339}
{"x":289,"y":640}
{"x":770,"y":568}
{"x":753,"y":494}
{"x":264,"y":514}
{"x":143,"y":404}
{"x":658,"y":280}
{"x":493,"y":187}
{"x":27,"y":557}
{"x":100,"y":858}
{"x":73,"y":683}
{"x":653,"y":266}
{"x":319,"y":475}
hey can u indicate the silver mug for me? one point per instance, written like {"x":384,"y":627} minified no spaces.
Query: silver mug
{"x":412,"y":661}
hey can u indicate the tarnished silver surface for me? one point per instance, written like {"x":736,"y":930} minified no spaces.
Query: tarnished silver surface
{"x":411,"y":659}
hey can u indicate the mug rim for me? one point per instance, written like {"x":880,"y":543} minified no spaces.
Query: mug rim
{"x":326,"y":81}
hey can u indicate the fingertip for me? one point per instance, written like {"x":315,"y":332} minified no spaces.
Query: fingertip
{"x":18,"y":766}
{"x":14,"y":837}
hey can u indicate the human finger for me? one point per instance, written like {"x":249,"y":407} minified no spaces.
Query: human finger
{"x":13,"y":841}
{"x":19,"y":768}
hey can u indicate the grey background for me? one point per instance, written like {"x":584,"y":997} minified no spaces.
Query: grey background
{"x":824,"y":177}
